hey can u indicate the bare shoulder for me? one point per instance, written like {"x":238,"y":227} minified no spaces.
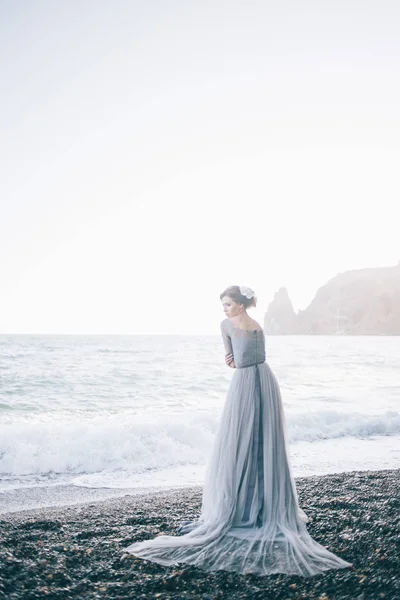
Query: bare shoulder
{"x":249,"y":323}
{"x":256,"y":324}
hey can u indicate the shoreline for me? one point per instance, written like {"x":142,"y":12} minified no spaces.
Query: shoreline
{"x":62,"y":496}
{"x":76,"y":551}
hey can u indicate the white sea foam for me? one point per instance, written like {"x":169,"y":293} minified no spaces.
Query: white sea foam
{"x":138,"y":444}
{"x":329,"y":424}
{"x":141,"y":411}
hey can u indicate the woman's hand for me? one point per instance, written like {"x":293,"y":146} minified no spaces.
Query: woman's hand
{"x":229,"y":360}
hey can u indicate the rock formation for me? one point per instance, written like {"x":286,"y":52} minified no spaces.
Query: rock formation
{"x":359,"y":302}
{"x":280,"y":316}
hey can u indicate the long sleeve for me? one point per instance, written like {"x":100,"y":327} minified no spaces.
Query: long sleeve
{"x":225,"y":331}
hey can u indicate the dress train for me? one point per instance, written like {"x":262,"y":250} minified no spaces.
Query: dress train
{"x":250,"y":519}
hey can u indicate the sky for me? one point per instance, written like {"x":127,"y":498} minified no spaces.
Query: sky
{"x":153,"y":153}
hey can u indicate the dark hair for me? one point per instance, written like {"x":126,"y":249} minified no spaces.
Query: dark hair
{"x":233,"y":291}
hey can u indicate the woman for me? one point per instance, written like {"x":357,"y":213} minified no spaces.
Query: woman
{"x":250,"y":519}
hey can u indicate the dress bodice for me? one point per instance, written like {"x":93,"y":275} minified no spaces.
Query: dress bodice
{"x":247,"y":346}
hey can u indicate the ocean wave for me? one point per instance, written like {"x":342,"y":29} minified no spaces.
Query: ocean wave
{"x":330,"y":424}
{"x":139,"y":444}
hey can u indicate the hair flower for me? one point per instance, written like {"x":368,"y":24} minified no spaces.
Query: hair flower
{"x":246,"y":292}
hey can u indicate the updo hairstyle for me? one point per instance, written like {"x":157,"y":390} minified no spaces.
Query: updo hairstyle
{"x":233,"y":291}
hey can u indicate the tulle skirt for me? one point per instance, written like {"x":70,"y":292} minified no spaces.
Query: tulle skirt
{"x":250,"y":519}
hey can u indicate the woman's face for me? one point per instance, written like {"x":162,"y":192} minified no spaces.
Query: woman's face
{"x":231,"y":308}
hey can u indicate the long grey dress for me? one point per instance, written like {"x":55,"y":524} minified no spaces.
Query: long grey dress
{"x":250,"y":519}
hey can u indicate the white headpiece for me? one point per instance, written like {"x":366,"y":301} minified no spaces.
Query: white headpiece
{"x":246,"y":292}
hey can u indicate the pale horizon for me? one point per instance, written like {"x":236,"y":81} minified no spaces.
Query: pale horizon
{"x":154,"y":155}
{"x":258,"y":313}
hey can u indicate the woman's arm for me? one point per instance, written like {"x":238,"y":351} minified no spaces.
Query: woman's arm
{"x":229,"y":360}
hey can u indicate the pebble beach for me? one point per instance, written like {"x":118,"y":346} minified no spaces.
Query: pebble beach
{"x":76,"y":552}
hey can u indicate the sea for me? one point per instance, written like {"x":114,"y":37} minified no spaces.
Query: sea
{"x":84,"y":418}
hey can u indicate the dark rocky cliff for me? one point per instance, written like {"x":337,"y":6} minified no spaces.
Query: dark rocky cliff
{"x":360,"y":302}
